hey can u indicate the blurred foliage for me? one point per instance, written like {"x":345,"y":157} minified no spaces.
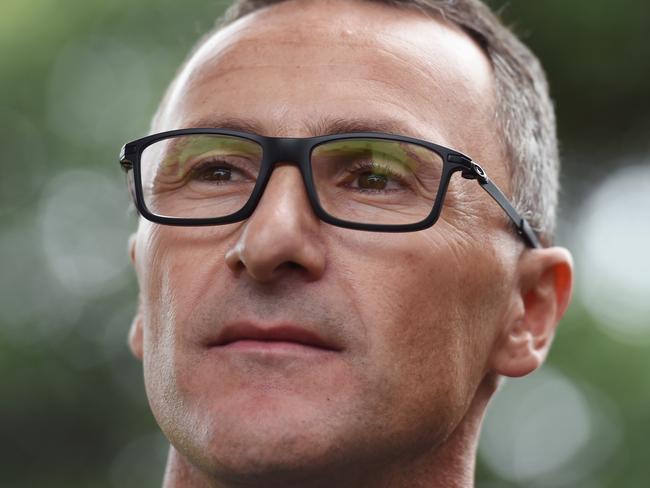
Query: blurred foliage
{"x":597,"y":57}
{"x":79,"y":78}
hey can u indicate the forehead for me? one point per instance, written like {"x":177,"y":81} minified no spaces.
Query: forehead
{"x":291,"y":68}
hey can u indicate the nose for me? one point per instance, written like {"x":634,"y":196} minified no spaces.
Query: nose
{"x":282,"y":235}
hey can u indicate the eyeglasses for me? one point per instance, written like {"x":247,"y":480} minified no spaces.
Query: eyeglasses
{"x":364,"y":180}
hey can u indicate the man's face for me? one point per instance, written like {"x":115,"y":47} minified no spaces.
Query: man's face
{"x":409,"y":320}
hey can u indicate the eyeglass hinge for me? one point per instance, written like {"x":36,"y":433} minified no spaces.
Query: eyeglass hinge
{"x":479,"y":173}
{"x":474,"y":172}
{"x":126,"y":164}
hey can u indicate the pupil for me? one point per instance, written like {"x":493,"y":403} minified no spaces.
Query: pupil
{"x":373,"y":181}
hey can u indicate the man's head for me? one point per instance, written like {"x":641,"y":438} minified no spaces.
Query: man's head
{"x":417,"y":326}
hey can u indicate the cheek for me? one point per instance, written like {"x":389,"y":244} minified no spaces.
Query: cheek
{"x":406,"y":293}
{"x":181,"y":268}
{"x":177,"y":268}
{"x":429,"y":312}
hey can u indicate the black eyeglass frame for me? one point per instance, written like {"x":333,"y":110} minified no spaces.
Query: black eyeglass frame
{"x":297,"y":151}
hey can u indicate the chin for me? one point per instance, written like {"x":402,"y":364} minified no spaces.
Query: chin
{"x":251,"y":431}
{"x":267,"y":449}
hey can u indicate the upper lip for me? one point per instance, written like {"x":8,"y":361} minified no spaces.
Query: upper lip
{"x":276,"y":332}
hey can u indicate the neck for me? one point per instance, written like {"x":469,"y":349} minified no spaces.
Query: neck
{"x":450,"y":465}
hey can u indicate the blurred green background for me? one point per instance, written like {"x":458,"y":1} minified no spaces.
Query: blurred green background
{"x":79,"y":78}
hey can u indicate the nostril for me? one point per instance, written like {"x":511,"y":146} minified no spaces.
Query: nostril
{"x":235,"y":260}
{"x":288,"y":265}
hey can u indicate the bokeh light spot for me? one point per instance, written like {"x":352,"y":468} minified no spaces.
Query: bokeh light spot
{"x":540,"y":431}
{"x":85,"y":232}
{"x":613,"y":268}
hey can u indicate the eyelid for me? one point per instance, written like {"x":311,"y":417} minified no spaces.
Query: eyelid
{"x":370,"y":164}
{"x":215,"y":161}
{"x":208,"y":157}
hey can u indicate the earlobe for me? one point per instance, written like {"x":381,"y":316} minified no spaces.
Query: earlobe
{"x":135,"y":333}
{"x":132,"y":239}
{"x":546,"y":281}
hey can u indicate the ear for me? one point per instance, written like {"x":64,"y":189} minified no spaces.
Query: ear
{"x":135,"y":332}
{"x":545,"y":287}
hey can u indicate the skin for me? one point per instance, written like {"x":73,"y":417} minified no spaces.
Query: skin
{"x":427,"y":322}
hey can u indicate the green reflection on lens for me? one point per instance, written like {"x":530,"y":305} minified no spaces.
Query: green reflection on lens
{"x":407,"y":156}
{"x":185,"y":149}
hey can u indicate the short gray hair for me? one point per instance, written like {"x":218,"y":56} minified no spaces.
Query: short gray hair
{"x":524,"y":110}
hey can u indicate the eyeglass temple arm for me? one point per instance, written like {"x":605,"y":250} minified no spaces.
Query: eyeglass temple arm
{"x":473,"y":171}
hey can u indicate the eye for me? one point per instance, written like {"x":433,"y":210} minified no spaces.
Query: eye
{"x":372,"y":177}
{"x":372,"y":181}
{"x":212,"y":173}
{"x":216,"y":171}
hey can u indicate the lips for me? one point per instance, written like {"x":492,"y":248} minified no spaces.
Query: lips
{"x":271,"y":336}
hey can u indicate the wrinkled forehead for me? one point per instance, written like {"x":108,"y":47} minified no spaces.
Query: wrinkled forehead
{"x":296,"y":60}
{"x":342,"y":30}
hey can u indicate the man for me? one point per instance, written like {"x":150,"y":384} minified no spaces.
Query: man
{"x":301,"y":320}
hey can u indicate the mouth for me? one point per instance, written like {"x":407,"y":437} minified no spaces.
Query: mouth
{"x":274,"y":339}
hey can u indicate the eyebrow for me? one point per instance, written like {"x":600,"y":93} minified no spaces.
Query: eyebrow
{"x":319,"y":127}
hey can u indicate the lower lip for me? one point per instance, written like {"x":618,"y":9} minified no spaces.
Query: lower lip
{"x":272,"y":347}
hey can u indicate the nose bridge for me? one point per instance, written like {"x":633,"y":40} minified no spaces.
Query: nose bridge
{"x":285,"y":188}
{"x":283,"y":230}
